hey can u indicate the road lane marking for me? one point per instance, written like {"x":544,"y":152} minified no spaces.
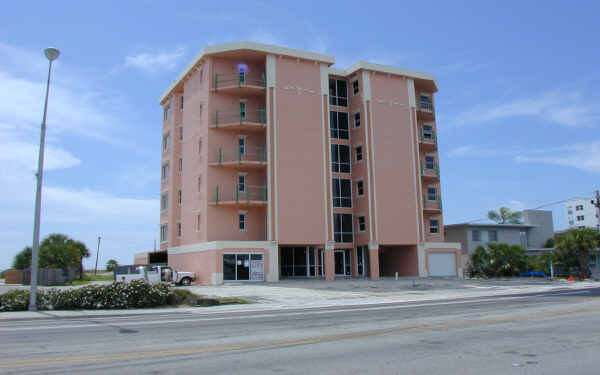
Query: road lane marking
{"x":265,"y":345}
{"x":261,"y":316}
{"x":256,"y":316}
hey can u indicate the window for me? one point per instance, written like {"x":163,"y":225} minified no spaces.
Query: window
{"x":200,"y":146}
{"x":166,"y":113}
{"x":427,"y":131}
{"x":181,"y":133}
{"x":179,"y":197}
{"x":201,"y":74}
{"x":492,"y":236}
{"x":425,"y":102}
{"x":429,"y":162}
{"x":570,"y":210}
{"x":580,"y":218}
{"x":181,"y":103}
{"x":242,"y":109}
{"x":179,"y":230}
{"x":359,"y":155}
{"x":163,"y":233}
{"x":166,"y":141}
{"x":199,"y":184}
{"x":340,"y":158}
{"x":362,"y":224}
{"x":242,"y":221}
{"x":180,"y":165}
{"x":198,"y":223}
{"x":164,"y":201}
{"x":342,"y":192}
{"x":571,"y":222}
{"x":242,"y":182}
{"x":165,"y":172}
{"x":338,"y":92}
{"x":355,"y":87}
{"x":579,"y":207}
{"x":357,"y":120}
{"x":241,"y":144}
{"x":431,"y":194}
{"x":342,"y":227}
{"x":338,"y":125}
{"x":360,"y":187}
{"x":200,"y":113}
{"x":434,"y":226}
{"x":476,"y":235}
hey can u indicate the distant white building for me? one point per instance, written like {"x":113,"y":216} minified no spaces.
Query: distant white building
{"x":581,"y":213}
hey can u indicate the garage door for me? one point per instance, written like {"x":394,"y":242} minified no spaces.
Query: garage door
{"x":442,"y":264}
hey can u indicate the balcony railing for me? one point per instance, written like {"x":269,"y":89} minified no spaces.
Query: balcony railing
{"x":430,"y":172}
{"x":241,"y":117}
{"x":432,"y":204}
{"x":426,"y":105}
{"x":239,"y":80}
{"x":252,"y":154}
{"x":240,"y":194}
{"x":430,"y":138}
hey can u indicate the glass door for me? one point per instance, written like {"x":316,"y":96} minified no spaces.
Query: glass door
{"x":340,"y":263}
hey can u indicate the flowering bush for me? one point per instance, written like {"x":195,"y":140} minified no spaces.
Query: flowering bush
{"x":118,"y":295}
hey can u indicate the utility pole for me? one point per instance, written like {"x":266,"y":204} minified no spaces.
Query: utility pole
{"x":97,"y":252}
{"x":597,"y":204}
{"x":155,"y":244}
{"x":51,"y":54}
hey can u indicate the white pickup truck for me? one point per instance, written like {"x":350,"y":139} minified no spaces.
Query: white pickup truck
{"x":153,"y":274}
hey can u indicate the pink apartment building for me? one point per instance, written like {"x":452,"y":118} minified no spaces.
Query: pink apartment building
{"x":275,"y":165}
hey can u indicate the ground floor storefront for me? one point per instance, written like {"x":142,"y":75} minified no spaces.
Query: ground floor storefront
{"x":254,"y":261}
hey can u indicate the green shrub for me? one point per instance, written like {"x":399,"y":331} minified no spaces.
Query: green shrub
{"x":498,"y":260}
{"x":118,"y":295}
{"x":182,"y":297}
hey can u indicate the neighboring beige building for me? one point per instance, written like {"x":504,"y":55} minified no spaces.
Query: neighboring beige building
{"x":276,"y":165}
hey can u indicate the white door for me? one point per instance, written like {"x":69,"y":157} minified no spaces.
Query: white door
{"x":442,"y":264}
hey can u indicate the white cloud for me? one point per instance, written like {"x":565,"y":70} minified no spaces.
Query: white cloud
{"x":265,"y":38}
{"x":563,"y":108}
{"x":584,"y":156}
{"x":516,"y":205}
{"x":155,"y":61}
{"x":25,"y":155}
{"x":461,"y":151}
{"x":74,"y":112}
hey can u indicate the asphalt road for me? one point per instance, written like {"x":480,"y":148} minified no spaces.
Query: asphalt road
{"x":546,"y":333}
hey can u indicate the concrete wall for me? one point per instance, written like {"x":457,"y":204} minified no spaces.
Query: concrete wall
{"x":537,"y":236}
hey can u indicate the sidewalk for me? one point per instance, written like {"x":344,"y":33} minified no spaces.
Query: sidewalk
{"x":316,"y":294}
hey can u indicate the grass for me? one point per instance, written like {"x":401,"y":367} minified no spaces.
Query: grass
{"x":88,"y":277}
{"x":232,"y":300}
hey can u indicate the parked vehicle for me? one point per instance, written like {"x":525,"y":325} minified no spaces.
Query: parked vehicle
{"x":532,"y":274}
{"x":153,"y":273}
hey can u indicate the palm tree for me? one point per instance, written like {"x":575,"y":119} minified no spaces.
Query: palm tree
{"x":573,"y":248}
{"x":505,"y":216}
{"x":83,"y":251}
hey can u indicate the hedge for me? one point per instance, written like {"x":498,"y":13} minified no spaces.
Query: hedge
{"x":118,"y":295}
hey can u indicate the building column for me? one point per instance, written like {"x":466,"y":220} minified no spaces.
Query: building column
{"x":330,"y":261}
{"x":374,"y":260}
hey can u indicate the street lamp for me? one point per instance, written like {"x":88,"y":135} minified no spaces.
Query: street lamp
{"x":51,"y":54}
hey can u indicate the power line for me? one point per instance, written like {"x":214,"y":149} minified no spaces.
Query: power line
{"x":537,"y":208}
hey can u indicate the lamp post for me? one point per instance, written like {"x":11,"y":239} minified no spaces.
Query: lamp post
{"x":51,"y":54}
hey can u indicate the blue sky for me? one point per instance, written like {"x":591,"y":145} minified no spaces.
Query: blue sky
{"x":517,"y":109}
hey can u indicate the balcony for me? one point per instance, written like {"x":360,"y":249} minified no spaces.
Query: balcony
{"x":428,"y":140}
{"x":240,"y":195}
{"x":425,"y":110}
{"x":430,"y":172}
{"x":246,"y":157}
{"x":240,"y":84}
{"x":238,"y":119}
{"x":432,"y":205}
